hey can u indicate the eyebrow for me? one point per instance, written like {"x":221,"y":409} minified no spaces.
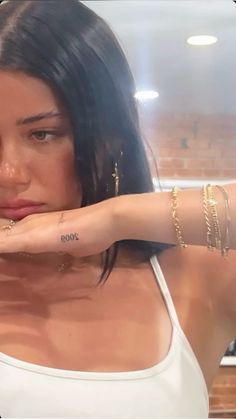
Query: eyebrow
{"x":38,"y":117}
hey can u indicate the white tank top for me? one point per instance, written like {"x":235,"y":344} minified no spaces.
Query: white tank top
{"x":173,"y":388}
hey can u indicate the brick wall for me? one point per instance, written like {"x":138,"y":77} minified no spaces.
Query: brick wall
{"x":191,"y":146}
{"x":223,"y":393}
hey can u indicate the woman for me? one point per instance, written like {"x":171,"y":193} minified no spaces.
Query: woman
{"x":99,"y":318}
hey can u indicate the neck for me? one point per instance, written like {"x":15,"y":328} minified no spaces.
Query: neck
{"x":39,"y":276}
{"x":50,"y":260}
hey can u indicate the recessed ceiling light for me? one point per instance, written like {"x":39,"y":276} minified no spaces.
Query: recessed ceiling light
{"x":144,"y":95}
{"x":202,"y":40}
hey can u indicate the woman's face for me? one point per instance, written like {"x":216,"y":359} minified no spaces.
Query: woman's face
{"x":35,"y":165}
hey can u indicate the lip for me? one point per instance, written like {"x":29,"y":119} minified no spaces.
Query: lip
{"x":18,"y":203}
{"x":20,"y":212}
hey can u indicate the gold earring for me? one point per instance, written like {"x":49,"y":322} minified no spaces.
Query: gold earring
{"x":115,"y":175}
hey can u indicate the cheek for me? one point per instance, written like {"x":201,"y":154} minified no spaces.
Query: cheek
{"x":67,"y":177}
{"x":64,"y":181}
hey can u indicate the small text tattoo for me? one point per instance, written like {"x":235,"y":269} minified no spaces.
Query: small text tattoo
{"x":61,"y":219}
{"x":69,"y":237}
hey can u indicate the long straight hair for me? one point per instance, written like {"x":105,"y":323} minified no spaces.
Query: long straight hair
{"x":73,"y":50}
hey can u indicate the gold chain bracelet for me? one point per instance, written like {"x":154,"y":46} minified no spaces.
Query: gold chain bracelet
{"x":226,"y":246}
{"x":174,"y":196}
{"x":214,"y":216}
{"x":210,"y":244}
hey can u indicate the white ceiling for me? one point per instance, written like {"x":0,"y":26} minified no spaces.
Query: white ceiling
{"x":153,"y":35}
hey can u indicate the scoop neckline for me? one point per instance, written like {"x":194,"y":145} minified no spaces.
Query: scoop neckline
{"x":93,"y":375}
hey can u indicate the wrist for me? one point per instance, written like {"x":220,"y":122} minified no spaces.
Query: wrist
{"x":118,"y":206}
{"x":126,"y":216}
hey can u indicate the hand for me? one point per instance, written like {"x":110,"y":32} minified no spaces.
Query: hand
{"x":79,"y":232}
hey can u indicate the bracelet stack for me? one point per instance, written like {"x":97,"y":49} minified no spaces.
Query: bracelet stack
{"x":217,"y":235}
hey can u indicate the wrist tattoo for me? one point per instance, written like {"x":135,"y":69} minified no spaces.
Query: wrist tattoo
{"x":69,"y":237}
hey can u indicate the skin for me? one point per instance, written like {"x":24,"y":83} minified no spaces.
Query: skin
{"x":49,"y":306}
{"x":26,"y":160}
{"x":27,"y":156}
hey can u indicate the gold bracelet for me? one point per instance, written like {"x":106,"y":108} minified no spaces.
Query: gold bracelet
{"x":225,"y":248}
{"x":214,"y":215}
{"x":174,"y":196}
{"x":210,"y":245}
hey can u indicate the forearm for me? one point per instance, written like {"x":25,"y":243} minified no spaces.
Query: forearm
{"x":148,"y":216}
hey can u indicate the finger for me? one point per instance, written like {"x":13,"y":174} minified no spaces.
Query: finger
{"x":4,"y":221}
{"x":10,"y":239}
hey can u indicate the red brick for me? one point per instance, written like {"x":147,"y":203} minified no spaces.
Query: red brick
{"x":199,"y":145}
{"x":171,"y":163}
{"x":191,"y":173}
{"x":212,"y":173}
{"x":202,"y":163}
{"x":169,"y":173}
{"x":228,"y":173}
{"x":229,"y":164}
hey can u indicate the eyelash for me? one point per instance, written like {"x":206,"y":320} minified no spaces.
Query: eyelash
{"x":54,"y":133}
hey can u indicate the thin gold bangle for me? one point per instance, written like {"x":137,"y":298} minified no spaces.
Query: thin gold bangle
{"x":226,"y":247}
{"x":174,"y":196}
{"x":214,"y":215}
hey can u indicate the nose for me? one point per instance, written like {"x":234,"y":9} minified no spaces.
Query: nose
{"x":13,"y":171}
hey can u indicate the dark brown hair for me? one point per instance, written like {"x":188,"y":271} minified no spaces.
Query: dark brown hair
{"x":67,"y":45}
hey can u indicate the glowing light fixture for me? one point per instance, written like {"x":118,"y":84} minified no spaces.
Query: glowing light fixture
{"x":202,"y":40}
{"x":145,"y":95}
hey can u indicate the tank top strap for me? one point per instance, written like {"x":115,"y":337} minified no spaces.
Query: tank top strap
{"x":165,"y":291}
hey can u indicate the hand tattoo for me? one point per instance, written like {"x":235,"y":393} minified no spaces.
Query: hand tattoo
{"x":61,"y":219}
{"x":69,"y":237}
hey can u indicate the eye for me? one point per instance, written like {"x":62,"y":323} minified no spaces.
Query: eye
{"x":42,"y":134}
